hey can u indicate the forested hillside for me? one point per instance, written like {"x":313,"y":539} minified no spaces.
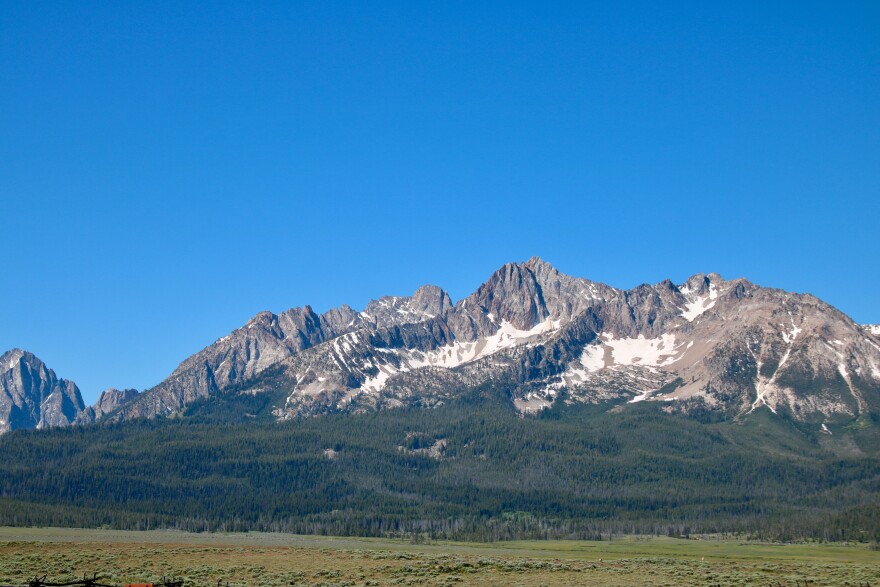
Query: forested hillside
{"x":473,"y":469}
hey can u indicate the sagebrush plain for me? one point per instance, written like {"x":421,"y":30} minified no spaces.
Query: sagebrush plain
{"x":263,"y":559}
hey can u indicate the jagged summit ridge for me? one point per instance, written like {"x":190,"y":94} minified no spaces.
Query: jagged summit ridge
{"x":269,"y":339}
{"x":544,"y":337}
{"x":112,"y":399}
{"x":707,"y":343}
{"x":32,"y":396}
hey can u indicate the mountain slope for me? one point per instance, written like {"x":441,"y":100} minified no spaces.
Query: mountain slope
{"x":706,"y":344}
{"x":469,"y":469}
{"x":734,"y":346}
{"x":32,"y":396}
{"x":267,"y":339}
{"x":111,"y":400}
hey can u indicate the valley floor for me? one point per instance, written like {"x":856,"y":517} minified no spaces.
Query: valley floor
{"x":261,"y":559}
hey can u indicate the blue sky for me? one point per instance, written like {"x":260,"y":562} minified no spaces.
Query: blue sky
{"x":167,"y":170}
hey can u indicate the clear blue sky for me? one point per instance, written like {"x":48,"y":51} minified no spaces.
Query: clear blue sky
{"x":167,"y":170}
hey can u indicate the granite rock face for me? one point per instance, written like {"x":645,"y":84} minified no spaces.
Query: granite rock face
{"x":111,"y":399}
{"x":268,"y":339}
{"x":705,"y":344}
{"x":32,"y":396}
{"x":727,"y":346}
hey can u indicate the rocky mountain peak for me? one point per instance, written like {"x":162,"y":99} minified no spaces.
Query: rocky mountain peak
{"x":728,"y":345}
{"x":16,"y":358}
{"x":111,"y":399}
{"x":264,"y":319}
{"x":12,"y":353}
{"x":538,"y":265}
{"x":427,"y":302}
{"x":512,"y":294}
{"x":32,"y":396}
{"x":701,"y":283}
{"x":666,"y":285}
{"x":431,"y":300}
{"x":341,"y":319}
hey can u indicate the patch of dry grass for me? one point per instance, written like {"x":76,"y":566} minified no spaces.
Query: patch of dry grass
{"x":282,"y":560}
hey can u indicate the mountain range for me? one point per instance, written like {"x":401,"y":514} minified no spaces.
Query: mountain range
{"x":728,"y":348}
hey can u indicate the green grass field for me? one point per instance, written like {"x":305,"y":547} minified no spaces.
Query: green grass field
{"x":279,"y":559}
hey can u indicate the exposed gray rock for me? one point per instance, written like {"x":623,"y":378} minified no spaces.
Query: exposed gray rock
{"x":268,"y":340}
{"x":525,"y":294}
{"x":112,"y":399}
{"x":32,"y":396}
{"x":542,"y":335}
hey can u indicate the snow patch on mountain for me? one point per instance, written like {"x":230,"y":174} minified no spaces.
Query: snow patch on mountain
{"x":375,"y":383}
{"x":642,"y":351}
{"x":593,"y":358}
{"x":753,"y":348}
{"x":459,"y":353}
{"x":628,"y":365}
{"x":611,"y":351}
{"x":766,"y":387}
{"x":789,"y":337}
{"x":697,"y":305}
{"x":386,"y":363}
{"x":533,"y":402}
{"x":844,"y":373}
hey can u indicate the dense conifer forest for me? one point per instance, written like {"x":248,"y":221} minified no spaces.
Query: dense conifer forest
{"x":472,"y":469}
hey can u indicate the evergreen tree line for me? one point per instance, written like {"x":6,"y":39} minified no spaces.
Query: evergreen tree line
{"x":573,"y":472}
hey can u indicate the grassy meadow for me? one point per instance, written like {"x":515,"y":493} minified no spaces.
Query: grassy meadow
{"x":253,"y":559}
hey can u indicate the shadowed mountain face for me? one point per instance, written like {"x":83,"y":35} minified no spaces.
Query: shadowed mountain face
{"x":706,"y":344}
{"x":31,"y":396}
